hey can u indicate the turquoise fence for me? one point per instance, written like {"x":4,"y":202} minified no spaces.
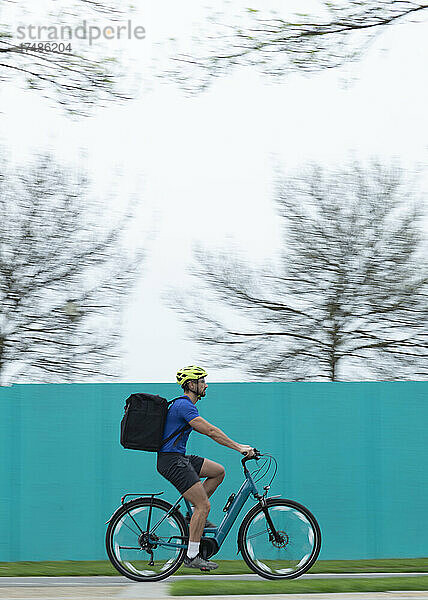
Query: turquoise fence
{"x":355,"y":453}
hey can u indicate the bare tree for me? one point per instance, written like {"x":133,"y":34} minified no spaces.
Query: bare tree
{"x":348,"y":298}
{"x":78,"y":78}
{"x":277,"y":45}
{"x":64,"y":277}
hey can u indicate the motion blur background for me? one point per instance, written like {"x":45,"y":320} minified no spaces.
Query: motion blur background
{"x":242,"y":189}
{"x":202,"y":167}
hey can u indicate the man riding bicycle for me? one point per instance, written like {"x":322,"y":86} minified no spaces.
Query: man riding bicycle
{"x":184,"y":471}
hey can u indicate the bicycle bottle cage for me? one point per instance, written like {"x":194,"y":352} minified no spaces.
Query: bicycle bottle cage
{"x":139,"y":494}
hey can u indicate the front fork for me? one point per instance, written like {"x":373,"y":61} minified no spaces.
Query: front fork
{"x":274,"y":535}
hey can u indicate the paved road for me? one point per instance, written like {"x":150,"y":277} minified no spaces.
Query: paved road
{"x":117,"y":588}
{"x":154,"y":591}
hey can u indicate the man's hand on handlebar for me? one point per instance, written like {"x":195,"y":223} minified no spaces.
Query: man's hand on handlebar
{"x":246,"y":450}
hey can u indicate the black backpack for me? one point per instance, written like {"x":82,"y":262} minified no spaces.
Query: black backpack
{"x":143,"y":423}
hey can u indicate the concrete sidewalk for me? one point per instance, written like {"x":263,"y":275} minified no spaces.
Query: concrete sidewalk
{"x":116,"y":588}
{"x":159,"y":591}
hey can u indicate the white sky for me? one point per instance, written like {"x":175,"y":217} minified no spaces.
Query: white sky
{"x":207,"y":162}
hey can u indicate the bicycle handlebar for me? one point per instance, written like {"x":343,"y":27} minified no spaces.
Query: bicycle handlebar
{"x":247,"y":458}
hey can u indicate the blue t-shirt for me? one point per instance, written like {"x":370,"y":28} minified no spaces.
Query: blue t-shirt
{"x":179,"y":414}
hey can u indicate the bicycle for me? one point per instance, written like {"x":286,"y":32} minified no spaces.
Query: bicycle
{"x":278,"y":538}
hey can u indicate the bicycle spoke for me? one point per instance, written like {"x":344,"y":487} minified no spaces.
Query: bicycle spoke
{"x":139,"y":528}
{"x":130,"y":529}
{"x":257,"y":534}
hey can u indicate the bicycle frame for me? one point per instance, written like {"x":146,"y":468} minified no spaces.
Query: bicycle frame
{"x":247,"y":488}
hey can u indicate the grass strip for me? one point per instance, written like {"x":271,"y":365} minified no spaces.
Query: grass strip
{"x":70,"y":568}
{"x":309,"y":586}
{"x":383,"y":565}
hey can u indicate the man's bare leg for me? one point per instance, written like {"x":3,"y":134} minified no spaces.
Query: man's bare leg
{"x":214,"y":474}
{"x":198,"y":497}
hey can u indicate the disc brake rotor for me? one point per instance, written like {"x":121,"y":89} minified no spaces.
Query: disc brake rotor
{"x":281,"y":540}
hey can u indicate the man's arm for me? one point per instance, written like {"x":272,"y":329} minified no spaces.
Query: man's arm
{"x":216,"y":434}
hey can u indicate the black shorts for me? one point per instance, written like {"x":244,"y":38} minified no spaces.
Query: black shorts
{"x":182,"y":470}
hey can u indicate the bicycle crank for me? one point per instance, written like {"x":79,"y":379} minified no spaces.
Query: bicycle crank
{"x":208,"y":547}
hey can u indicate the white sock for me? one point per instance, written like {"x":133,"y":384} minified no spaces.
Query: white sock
{"x":193,"y":549}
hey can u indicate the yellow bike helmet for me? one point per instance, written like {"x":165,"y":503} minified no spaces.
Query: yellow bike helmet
{"x":190,"y":373}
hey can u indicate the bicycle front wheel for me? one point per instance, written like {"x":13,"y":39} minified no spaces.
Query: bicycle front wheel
{"x":141,"y":556}
{"x":292,"y":551}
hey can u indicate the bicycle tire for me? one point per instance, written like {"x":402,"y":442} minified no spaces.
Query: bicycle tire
{"x":116,"y":519}
{"x":252,"y":562}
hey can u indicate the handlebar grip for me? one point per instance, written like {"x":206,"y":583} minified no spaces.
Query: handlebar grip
{"x":255,"y":457}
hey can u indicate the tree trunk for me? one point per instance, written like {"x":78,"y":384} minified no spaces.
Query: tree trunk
{"x":333,"y":368}
{"x":2,"y":340}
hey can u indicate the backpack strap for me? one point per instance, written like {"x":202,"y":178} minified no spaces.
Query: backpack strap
{"x":179,"y":431}
{"x":173,"y":400}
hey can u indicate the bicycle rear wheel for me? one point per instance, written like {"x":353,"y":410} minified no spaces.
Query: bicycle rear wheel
{"x":131,"y":550}
{"x":288,"y":556}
